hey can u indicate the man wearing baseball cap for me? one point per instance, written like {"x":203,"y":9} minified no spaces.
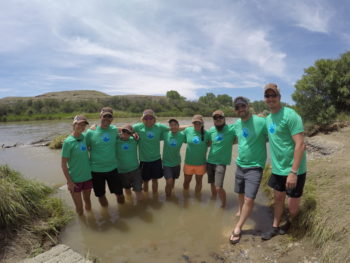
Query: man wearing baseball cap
{"x":101,"y":142}
{"x":222,"y":137}
{"x":288,"y":158}
{"x":252,"y":136}
{"x":150,"y":133}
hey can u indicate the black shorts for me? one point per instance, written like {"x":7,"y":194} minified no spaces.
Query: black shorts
{"x":113,"y":180}
{"x":278,"y":183}
{"x":151,"y":170}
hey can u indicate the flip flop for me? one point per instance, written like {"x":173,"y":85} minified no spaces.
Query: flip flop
{"x":235,"y":235}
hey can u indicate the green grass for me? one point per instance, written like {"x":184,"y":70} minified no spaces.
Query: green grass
{"x":57,"y":142}
{"x":27,"y":206}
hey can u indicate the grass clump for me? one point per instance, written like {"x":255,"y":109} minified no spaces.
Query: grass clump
{"x":29,"y":217}
{"x":57,"y":142}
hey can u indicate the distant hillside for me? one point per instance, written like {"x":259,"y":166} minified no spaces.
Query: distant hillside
{"x":61,"y":95}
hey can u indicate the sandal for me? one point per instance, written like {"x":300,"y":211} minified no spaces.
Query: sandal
{"x":235,"y":238}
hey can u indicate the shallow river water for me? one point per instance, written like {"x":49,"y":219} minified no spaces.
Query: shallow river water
{"x":158,"y":230}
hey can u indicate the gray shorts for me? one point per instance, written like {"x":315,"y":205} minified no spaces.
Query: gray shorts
{"x":132,"y":179}
{"x":247,"y":181}
{"x":216,"y":174}
{"x":171,"y":172}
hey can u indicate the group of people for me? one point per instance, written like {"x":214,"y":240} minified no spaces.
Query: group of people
{"x":129,"y":157}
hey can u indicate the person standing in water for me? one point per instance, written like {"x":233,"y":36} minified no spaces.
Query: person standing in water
{"x":101,"y":142}
{"x":173,"y":141}
{"x":128,"y":162}
{"x":222,"y":137}
{"x":76,"y":166}
{"x":150,"y":134}
{"x":195,"y":159}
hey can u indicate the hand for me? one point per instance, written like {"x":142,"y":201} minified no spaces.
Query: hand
{"x":136,"y":136}
{"x":291,"y":181}
{"x":71,"y":186}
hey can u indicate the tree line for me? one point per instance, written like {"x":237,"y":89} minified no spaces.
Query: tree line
{"x":173,"y":104}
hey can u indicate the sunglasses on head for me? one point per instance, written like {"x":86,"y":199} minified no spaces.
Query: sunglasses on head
{"x":243,"y":106}
{"x":218,"y":117}
{"x":109,"y":116}
{"x":270,"y":96}
{"x":147,"y":118}
{"x":126,"y":131}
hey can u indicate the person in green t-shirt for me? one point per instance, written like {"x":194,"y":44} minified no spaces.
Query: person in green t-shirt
{"x":150,"y":134}
{"x":101,"y":143}
{"x":76,"y":167}
{"x":222,"y":137}
{"x":197,"y":140}
{"x":173,"y":141}
{"x":288,"y":157}
{"x":128,"y":162}
{"x":251,"y":135}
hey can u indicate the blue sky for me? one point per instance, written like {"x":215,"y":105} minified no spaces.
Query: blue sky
{"x":152,"y":46}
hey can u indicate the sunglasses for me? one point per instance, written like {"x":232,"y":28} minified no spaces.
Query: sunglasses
{"x":126,"y":131}
{"x":108,"y":116}
{"x":197,"y":122}
{"x":243,"y":106}
{"x":218,"y":118}
{"x":270,"y":96}
{"x":148,"y":118}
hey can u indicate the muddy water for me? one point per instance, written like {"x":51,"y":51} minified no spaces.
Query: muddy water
{"x":183,"y":228}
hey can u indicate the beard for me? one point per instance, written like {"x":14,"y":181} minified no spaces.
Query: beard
{"x":220,"y":127}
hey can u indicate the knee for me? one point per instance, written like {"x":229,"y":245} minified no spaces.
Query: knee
{"x":248,"y":200}
{"x":220,"y":190}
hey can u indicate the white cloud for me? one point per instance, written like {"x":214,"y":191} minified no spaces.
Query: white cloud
{"x":314,"y":15}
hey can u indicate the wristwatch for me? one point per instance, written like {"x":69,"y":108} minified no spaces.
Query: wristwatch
{"x":293,"y":172}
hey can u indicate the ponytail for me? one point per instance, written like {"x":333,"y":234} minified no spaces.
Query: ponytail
{"x":202,"y":133}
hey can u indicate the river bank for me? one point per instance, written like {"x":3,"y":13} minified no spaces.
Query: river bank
{"x":130,"y":228}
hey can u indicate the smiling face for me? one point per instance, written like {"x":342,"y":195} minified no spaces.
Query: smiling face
{"x":79,"y":128}
{"x":273,"y":100}
{"x":148,"y":121}
{"x":106,"y":120}
{"x":219,"y":120}
{"x":174,"y":126}
{"x":242,"y":110}
{"x":197,"y":125}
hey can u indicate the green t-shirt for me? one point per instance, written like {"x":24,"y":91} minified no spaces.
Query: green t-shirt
{"x":126,"y":152}
{"x":196,"y":149}
{"x":149,"y":143}
{"x":171,"y":148}
{"x":221,"y":145}
{"x":101,"y":143}
{"x":252,"y":137}
{"x":281,"y":127}
{"x":75,"y":150}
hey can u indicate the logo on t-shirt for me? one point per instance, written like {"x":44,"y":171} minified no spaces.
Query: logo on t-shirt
{"x":173,"y":142}
{"x":195,"y":140}
{"x":272,"y":128}
{"x":83,"y":147}
{"x":150,"y":135}
{"x":245,"y":132}
{"x":106,"y":137}
{"x":219,"y":137}
{"x":125,"y":146}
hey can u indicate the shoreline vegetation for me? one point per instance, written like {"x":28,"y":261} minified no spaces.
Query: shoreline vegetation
{"x":30,"y":218}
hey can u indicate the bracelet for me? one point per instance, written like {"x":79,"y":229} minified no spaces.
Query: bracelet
{"x":293,"y":172}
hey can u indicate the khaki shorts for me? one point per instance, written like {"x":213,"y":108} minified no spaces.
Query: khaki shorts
{"x":195,"y":169}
